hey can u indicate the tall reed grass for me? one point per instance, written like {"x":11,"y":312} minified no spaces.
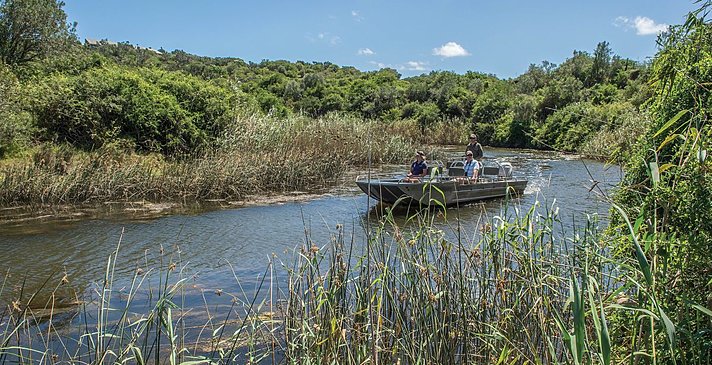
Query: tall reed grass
{"x":258,"y":155}
{"x":513,"y":289}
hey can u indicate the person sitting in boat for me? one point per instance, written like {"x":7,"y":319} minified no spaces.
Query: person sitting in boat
{"x":472,"y":167}
{"x":418,"y":169}
{"x":475,"y":147}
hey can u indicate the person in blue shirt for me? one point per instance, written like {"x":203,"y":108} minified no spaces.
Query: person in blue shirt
{"x":418,"y":168}
{"x":472,"y":167}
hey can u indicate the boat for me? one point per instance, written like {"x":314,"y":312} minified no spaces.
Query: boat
{"x":445,"y":187}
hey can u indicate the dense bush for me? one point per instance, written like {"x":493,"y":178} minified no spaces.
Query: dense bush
{"x":493,"y":108}
{"x":176,"y":102}
{"x":159,"y":111}
{"x":15,"y":126}
{"x":569,"y":128}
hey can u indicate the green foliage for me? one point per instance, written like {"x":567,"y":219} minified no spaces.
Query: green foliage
{"x":603,"y":94}
{"x":560,"y":92}
{"x":667,"y":183}
{"x":569,"y":128}
{"x":615,"y":140}
{"x":32,"y":29}
{"x":158,"y":111}
{"x":175,"y":102}
{"x":15,"y":127}
{"x":601,"y":64}
{"x":502,"y":112}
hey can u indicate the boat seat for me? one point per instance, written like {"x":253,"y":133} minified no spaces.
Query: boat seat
{"x":489,"y":170}
{"x":456,"y":168}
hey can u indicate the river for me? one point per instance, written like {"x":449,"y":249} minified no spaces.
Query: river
{"x":218,"y":248}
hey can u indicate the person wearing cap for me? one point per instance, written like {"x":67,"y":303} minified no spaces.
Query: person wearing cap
{"x":472,"y":166}
{"x":475,"y":147}
{"x":418,"y":168}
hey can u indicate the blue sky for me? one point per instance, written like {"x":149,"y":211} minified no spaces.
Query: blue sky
{"x":413,"y":37}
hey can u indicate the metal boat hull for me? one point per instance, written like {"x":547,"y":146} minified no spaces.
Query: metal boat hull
{"x":439,"y":192}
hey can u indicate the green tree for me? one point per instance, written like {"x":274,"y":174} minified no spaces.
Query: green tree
{"x":601,"y":64}
{"x":32,"y":29}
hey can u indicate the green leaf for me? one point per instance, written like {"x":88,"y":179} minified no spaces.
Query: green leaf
{"x":665,"y":167}
{"x":639,"y":254}
{"x":137,"y":354}
{"x":702,"y":309}
{"x":670,"y":122}
{"x":566,"y":336}
{"x":633,"y":309}
{"x":669,"y":139}
{"x":197,"y":362}
{"x":669,"y":329}
{"x":654,"y":172}
{"x":605,"y":339}
{"x":579,"y":320}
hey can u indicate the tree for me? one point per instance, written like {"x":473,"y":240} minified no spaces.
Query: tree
{"x":601,"y":63}
{"x":31,"y":29}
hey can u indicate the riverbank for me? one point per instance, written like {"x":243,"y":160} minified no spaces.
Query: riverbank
{"x":258,"y":156}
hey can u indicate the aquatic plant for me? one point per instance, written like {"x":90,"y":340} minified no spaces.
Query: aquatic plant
{"x":513,"y":288}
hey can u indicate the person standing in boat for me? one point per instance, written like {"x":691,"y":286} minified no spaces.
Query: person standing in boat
{"x":419,"y":168}
{"x":472,"y":166}
{"x":475,"y":147}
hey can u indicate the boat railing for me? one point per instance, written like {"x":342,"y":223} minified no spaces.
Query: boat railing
{"x":438,"y":173}
{"x":379,"y":176}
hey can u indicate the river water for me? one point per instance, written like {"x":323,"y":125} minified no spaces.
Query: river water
{"x":220,"y":248}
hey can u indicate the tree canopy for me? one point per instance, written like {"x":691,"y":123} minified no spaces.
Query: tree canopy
{"x":31,"y":29}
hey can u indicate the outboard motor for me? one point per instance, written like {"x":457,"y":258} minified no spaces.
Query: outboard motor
{"x":505,"y":169}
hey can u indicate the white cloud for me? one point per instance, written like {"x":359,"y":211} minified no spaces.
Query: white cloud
{"x":378,"y":64}
{"x":646,"y":26}
{"x":356,"y":15}
{"x":325,"y":37}
{"x":621,"y":21}
{"x":415,"y":66}
{"x":450,"y":49}
{"x":365,"y":52}
{"x":642,"y":25}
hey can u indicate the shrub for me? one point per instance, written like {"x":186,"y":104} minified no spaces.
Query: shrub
{"x":16,"y":127}
{"x":159,"y":111}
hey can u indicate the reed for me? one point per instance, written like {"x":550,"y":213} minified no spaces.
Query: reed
{"x":259,"y":155}
{"x":514,"y":288}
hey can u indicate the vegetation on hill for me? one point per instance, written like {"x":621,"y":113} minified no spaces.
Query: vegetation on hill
{"x":61,"y":91}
